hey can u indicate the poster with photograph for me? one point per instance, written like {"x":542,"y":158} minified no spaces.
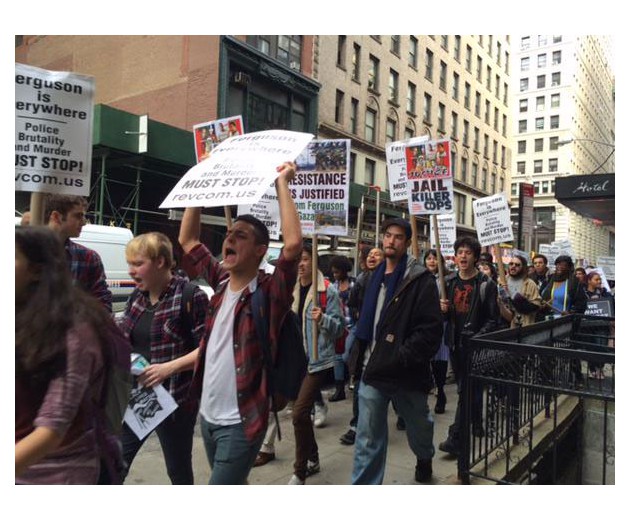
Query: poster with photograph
{"x":209,"y":135}
{"x":147,"y":408}
{"x":396,"y":157}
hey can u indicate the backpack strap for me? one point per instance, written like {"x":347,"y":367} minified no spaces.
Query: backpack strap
{"x":260,"y":313}
{"x":185,"y":311}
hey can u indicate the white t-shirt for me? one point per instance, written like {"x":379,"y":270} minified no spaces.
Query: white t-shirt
{"x":219,"y":404}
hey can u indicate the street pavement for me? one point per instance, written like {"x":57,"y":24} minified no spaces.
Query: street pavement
{"x":335,"y":458}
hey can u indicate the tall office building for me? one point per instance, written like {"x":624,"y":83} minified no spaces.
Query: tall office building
{"x":564,"y":116}
{"x":378,"y":89}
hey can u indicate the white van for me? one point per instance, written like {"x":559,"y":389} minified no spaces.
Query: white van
{"x":110,"y":242}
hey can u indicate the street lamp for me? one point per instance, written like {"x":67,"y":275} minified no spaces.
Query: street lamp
{"x":570,"y":140}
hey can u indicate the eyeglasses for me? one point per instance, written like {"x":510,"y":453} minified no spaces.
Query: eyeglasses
{"x":515,"y":264}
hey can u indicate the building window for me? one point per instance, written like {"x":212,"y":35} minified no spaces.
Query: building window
{"x":499,"y":54}
{"x":542,"y":61}
{"x":453,"y":163}
{"x":501,"y":184}
{"x":540,"y":103}
{"x":444,"y":42}
{"x":484,"y":179}
{"x":522,"y":105}
{"x":441,"y":117}
{"x":487,"y":113}
{"x":505,"y":93}
{"x":525,"y":43}
{"x":522,"y":147}
{"x":545,"y":186}
{"x":412,"y":59}
{"x":554,"y":122}
{"x":553,"y":165}
{"x":353,"y":166}
{"x":504,"y":126}
{"x":356,"y":60}
{"x":507,"y":62}
{"x":540,"y":81}
{"x":542,"y":40}
{"x":493,"y":183}
{"x":476,"y":142}
{"x":557,"y":39}
{"x":467,"y":95}
{"x":503,"y":156}
{"x":411,"y":98}
{"x":468,"y":58}
{"x":553,"y":143}
{"x":457,"y":47}
{"x":485,"y":145}
{"x":390,"y":130}
{"x":373,"y":73}
{"x":474,"y":171}
{"x":538,"y":166}
{"x":454,"y":125}
{"x":443,"y":76}
{"x":477,"y":104}
{"x":464,"y":171}
{"x":556,"y":58}
{"x":497,"y":86}
{"x":426,"y":114}
{"x":540,"y":123}
{"x":455,"y":86}
{"x":479,"y":69}
{"x":495,"y":152}
{"x":460,"y":206}
{"x":466,"y":132}
{"x":496,"y":119}
{"x":555,"y":100}
{"x":286,"y":49}
{"x":370,"y":125}
{"x":370,"y":172}
{"x":490,"y":42}
{"x":393,"y":86}
{"x":514,"y":189}
{"x":395,"y":45}
{"x":339,"y":107}
{"x":524,"y":64}
{"x":555,"y":79}
{"x":341,"y":51}
{"x":538,"y":145}
{"x":488,"y":78}
{"x":522,"y":126}
{"x":520,"y":167}
{"x":408,"y":133}
{"x":524,"y":84}
{"x":536,"y":187}
{"x":354,"y":114}
{"x":428,"y":65}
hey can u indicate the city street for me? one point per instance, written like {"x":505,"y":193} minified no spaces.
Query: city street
{"x":335,"y":458}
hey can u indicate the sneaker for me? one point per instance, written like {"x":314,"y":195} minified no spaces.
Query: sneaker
{"x":348,"y":438}
{"x":449,"y":446}
{"x":321,"y":411}
{"x":424,"y":470}
{"x":295,"y":480}
{"x":440,"y":403}
{"x":288,"y":411}
{"x":312,"y":467}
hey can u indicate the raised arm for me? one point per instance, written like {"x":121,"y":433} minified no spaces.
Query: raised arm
{"x":190,"y":229}
{"x":289,"y":219}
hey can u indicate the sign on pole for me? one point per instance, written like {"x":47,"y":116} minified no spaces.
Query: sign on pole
{"x":447,"y":229}
{"x":492,"y":220}
{"x":211,"y":134}
{"x":607,"y":263}
{"x":54,"y":114}
{"x":396,"y":158}
{"x":526,"y":213}
{"x":429,"y":177}
{"x":239,"y":170}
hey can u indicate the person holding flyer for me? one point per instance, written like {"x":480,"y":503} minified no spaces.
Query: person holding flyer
{"x":229,"y":376}
{"x":154,"y":324}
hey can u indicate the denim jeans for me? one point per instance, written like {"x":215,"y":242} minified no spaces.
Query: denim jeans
{"x":230,"y":454}
{"x":176,"y":438}
{"x":370,"y":449}
{"x":342,"y":359}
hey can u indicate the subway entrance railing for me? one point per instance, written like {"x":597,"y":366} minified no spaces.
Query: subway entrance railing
{"x":532,"y":412}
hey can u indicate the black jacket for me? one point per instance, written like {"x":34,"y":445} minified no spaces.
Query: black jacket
{"x":483,"y":315}
{"x":408,"y":335}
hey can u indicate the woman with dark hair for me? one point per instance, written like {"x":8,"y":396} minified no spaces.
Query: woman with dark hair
{"x":439,"y":363}
{"x":59,"y":365}
{"x":488,"y":269}
{"x":340,"y":267}
{"x":595,"y":292}
{"x":564,"y":294}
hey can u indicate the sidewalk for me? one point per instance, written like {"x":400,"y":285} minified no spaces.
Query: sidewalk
{"x":335,"y":458}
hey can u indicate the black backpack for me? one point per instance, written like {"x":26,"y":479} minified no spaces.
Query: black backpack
{"x":285,"y":376}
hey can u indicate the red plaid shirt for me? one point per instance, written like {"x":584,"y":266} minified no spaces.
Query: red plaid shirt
{"x":88,"y":272}
{"x":168,"y":340}
{"x":251,"y":386}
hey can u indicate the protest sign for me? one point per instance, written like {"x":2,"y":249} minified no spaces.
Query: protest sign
{"x":147,"y":408}
{"x":551,"y":252}
{"x":320,"y":190}
{"x":447,"y":229}
{"x":396,"y":158}
{"x":492,"y":220}
{"x":565,"y":247}
{"x":598,"y":308}
{"x":239,"y":170}
{"x":54,"y":115}
{"x":429,"y":178}
{"x":607,"y":263}
{"x":212,"y":133}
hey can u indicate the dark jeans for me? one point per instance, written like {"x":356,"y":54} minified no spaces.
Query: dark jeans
{"x":477,"y":398}
{"x":355,"y":404}
{"x":305,"y":445}
{"x":176,"y":438}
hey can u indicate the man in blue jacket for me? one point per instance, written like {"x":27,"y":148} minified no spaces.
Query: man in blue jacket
{"x":399,"y":331}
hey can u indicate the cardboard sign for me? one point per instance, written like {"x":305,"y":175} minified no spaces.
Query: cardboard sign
{"x":492,"y":220}
{"x":54,"y":113}
{"x":239,"y":170}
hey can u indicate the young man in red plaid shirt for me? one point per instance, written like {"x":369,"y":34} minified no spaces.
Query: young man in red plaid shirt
{"x":229,"y":373}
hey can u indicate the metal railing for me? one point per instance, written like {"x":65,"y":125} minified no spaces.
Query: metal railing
{"x":526,"y":393}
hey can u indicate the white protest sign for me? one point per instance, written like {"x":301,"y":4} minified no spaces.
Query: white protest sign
{"x":397,"y":166}
{"x":550,"y":252}
{"x":429,"y":178}
{"x":147,"y":408}
{"x":54,"y":114}
{"x":239,"y":170}
{"x":266,"y":210}
{"x":492,"y":220}
{"x":565,"y":247}
{"x":607,"y":263}
{"x":447,"y":229}
{"x":601,"y":273}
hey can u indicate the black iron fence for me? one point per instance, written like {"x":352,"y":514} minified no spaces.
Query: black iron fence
{"x":538,"y":403}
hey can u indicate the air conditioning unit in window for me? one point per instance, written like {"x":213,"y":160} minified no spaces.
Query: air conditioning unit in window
{"x":294,"y":65}
{"x":241,"y":78}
